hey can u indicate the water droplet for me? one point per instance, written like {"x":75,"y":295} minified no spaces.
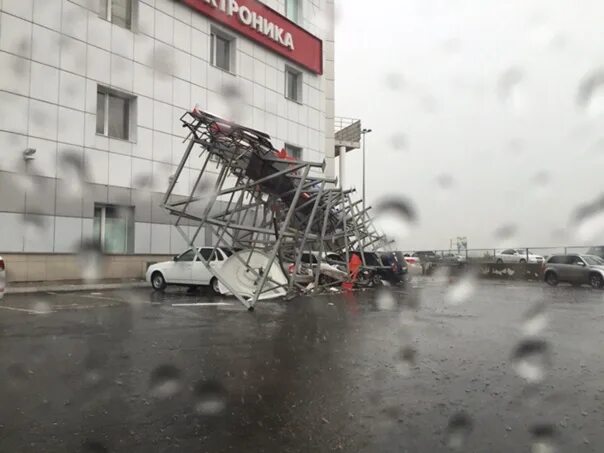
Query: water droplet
{"x":543,"y":438}
{"x":399,"y":142}
{"x":143,"y":180}
{"x":394,"y":81}
{"x":530,"y":360}
{"x":406,"y":358}
{"x":210,"y":397}
{"x":74,"y":172}
{"x":165,"y":381}
{"x":16,"y":373}
{"x":590,"y":96}
{"x":589,"y":220}
{"x":91,"y":261}
{"x":458,"y":430}
{"x":42,"y":308}
{"x":445,"y":181}
{"x":461,"y":290}
{"x":385,"y":299}
{"x":163,"y":60}
{"x":394,"y":217}
{"x":94,"y":446}
{"x":506,"y":232}
{"x":535,"y":320}
{"x":509,"y":88}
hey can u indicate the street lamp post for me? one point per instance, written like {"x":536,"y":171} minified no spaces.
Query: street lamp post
{"x":364,"y":132}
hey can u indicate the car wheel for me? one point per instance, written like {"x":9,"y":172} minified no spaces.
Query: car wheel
{"x":158,"y":281}
{"x":551,"y":279}
{"x":522,"y":261}
{"x":499,"y":261}
{"x":596,"y":281}
{"x":214,"y":286}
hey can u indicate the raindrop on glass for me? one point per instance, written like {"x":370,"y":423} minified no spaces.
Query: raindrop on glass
{"x":406,"y":358}
{"x":93,"y":446}
{"x":394,"y":81}
{"x":74,"y":172}
{"x":41,"y":308}
{"x":531,"y":361}
{"x":445,"y":181}
{"x":506,"y":232}
{"x":91,"y":260}
{"x":210,"y":398}
{"x":590,"y":96}
{"x":385,"y":300}
{"x":458,"y":430}
{"x":535,"y":320}
{"x":16,"y":373}
{"x":165,"y":381}
{"x":589,"y":220}
{"x":461,"y":290}
{"x":399,"y":142}
{"x":394,"y":217}
{"x":509,"y":88}
{"x":543,"y":438}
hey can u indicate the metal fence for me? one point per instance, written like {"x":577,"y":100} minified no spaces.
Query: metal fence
{"x":489,"y":255}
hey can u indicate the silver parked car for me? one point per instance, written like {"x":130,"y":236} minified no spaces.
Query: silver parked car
{"x":575,"y":269}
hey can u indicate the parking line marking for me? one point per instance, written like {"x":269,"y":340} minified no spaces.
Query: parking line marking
{"x":203,"y":304}
{"x":35,"y":312}
{"x":103,"y":297}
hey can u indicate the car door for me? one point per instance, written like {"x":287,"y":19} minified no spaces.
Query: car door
{"x":507,"y":256}
{"x":179,"y":270}
{"x":200,"y":274}
{"x":578,"y":272}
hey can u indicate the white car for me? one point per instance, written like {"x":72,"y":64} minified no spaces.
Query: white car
{"x":517,"y":256}
{"x":2,"y":278}
{"x":329,"y":270}
{"x":185,"y":269}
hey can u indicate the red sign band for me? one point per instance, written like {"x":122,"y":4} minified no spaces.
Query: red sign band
{"x":264,"y":25}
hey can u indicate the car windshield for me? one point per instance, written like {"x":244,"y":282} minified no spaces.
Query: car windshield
{"x":593,"y":260}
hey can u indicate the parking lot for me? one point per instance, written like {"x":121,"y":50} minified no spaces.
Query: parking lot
{"x":439,"y":365}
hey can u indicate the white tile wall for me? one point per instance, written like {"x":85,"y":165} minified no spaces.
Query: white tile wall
{"x":11,"y":239}
{"x":39,"y":234}
{"x":142,"y":237}
{"x":15,"y":74}
{"x":68,"y":234}
{"x":120,"y":171}
{"x":160,"y":238}
{"x":53,"y":53}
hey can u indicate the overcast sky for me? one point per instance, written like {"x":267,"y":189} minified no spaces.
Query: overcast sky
{"x":476,"y":113}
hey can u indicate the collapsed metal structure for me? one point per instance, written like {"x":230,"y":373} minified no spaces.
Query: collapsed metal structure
{"x":268,"y":207}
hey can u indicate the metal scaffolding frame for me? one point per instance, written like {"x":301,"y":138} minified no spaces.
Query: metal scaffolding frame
{"x":261,"y":199}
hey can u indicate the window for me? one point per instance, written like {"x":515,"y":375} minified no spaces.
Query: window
{"x":189,"y":255}
{"x":294,"y":151}
{"x":292,"y":10}
{"x":205,"y":254}
{"x":222,"y":50}
{"x":293,"y":84}
{"x":118,"y":11}
{"x":113,"y":228}
{"x":113,"y":113}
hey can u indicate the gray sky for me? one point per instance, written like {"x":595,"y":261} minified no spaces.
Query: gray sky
{"x":483,"y":95}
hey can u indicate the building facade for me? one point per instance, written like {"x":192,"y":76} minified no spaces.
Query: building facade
{"x":91,"y":92}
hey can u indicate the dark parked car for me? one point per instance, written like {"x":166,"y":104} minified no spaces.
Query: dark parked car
{"x":575,"y":269}
{"x":428,"y":259}
{"x":374,"y":263}
{"x":397,"y":264}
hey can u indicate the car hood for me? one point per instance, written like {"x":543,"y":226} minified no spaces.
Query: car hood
{"x":598,"y":267}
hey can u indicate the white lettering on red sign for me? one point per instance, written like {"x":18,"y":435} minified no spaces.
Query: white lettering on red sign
{"x":255,"y":21}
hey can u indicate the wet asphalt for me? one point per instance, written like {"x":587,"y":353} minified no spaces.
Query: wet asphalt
{"x":430,"y":369}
